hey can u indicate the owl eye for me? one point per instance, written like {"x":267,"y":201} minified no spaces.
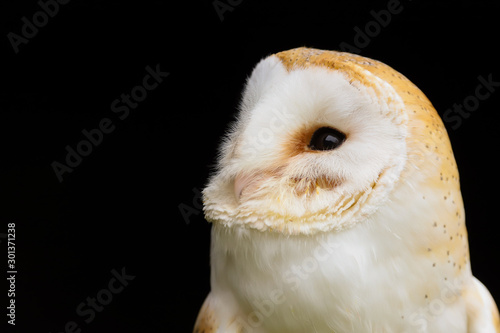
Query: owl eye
{"x":326,"y":138}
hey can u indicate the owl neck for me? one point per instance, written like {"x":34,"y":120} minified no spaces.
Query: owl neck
{"x":396,"y":249}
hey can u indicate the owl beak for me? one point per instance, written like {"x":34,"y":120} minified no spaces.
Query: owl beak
{"x":241,"y":181}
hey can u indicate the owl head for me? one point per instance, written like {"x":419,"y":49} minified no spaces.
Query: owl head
{"x":322,"y":140}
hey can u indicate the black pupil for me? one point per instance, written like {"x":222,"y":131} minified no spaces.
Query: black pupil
{"x":326,"y":138}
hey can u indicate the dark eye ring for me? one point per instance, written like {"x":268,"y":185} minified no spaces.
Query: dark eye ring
{"x":326,"y":138}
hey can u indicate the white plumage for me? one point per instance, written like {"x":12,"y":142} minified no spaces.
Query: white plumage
{"x":365,"y":236}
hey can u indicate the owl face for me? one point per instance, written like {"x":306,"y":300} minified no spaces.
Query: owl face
{"x":312,"y":149}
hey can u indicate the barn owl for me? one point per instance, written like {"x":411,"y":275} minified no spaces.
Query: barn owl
{"x":336,"y":207}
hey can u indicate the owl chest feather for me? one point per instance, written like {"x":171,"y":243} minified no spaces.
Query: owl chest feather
{"x":375,"y":277}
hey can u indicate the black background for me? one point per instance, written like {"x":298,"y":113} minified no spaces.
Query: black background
{"x":120,"y":206}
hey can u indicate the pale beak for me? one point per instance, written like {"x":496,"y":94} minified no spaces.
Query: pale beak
{"x":241,"y":181}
